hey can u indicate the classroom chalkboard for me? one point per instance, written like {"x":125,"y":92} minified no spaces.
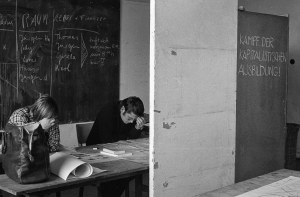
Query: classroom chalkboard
{"x":66,"y":48}
{"x":262,"y":58}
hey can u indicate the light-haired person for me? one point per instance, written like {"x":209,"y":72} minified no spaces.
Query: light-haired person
{"x":44,"y":112}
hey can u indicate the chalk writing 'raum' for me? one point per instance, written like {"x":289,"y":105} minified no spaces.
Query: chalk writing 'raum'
{"x":37,"y":19}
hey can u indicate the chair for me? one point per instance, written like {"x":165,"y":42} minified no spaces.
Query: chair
{"x":83,"y":131}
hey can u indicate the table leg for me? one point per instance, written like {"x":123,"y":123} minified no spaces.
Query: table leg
{"x":138,"y":185}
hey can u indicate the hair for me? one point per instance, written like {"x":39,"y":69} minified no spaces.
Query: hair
{"x":133,"y":104}
{"x":44,"y":107}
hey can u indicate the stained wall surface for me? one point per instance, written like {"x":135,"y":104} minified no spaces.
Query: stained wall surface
{"x":194,"y":65}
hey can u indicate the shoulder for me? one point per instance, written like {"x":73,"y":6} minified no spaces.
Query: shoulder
{"x":111,"y":106}
{"x":20,"y":116}
{"x":109,"y":110}
{"x":21,"y":112}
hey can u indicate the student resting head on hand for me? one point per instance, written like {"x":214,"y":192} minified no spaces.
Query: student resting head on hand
{"x":117,"y":120}
{"x":44,"y":112}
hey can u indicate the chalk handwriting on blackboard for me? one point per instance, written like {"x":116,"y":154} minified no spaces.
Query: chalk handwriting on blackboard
{"x":256,"y":41}
{"x":259,"y":57}
{"x":31,"y":36}
{"x":59,"y":48}
{"x":3,"y":75}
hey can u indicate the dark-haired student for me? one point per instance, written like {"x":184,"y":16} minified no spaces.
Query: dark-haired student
{"x":117,"y":120}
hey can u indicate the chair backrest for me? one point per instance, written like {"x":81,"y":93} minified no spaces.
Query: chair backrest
{"x":83,"y":131}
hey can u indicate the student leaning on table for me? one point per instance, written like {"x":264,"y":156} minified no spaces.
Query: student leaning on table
{"x":117,"y":120}
{"x":45,"y":112}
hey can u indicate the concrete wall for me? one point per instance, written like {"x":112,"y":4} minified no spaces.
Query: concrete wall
{"x":193,"y":58}
{"x":134,"y":59}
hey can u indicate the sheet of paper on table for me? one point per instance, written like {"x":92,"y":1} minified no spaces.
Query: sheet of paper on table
{"x":88,"y":154}
{"x":91,"y":154}
{"x":67,"y":166}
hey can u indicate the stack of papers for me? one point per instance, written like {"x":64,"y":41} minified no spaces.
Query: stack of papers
{"x":115,"y":152}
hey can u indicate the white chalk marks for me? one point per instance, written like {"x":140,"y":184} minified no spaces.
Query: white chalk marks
{"x":258,"y":56}
{"x":84,"y":52}
{"x":5,"y":74}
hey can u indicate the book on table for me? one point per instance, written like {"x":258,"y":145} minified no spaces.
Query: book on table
{"x":116,"y":155}
{"x":115,"y":152}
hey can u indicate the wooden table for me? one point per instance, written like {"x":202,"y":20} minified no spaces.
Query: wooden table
{"x":116,"y":169}
{"x":251,"y":184}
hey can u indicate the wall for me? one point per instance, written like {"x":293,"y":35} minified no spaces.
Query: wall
{"x":134,"y":59}
{"x":135,"y":36}
{"x":193,"y":72}
{"x":281,"y":7}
